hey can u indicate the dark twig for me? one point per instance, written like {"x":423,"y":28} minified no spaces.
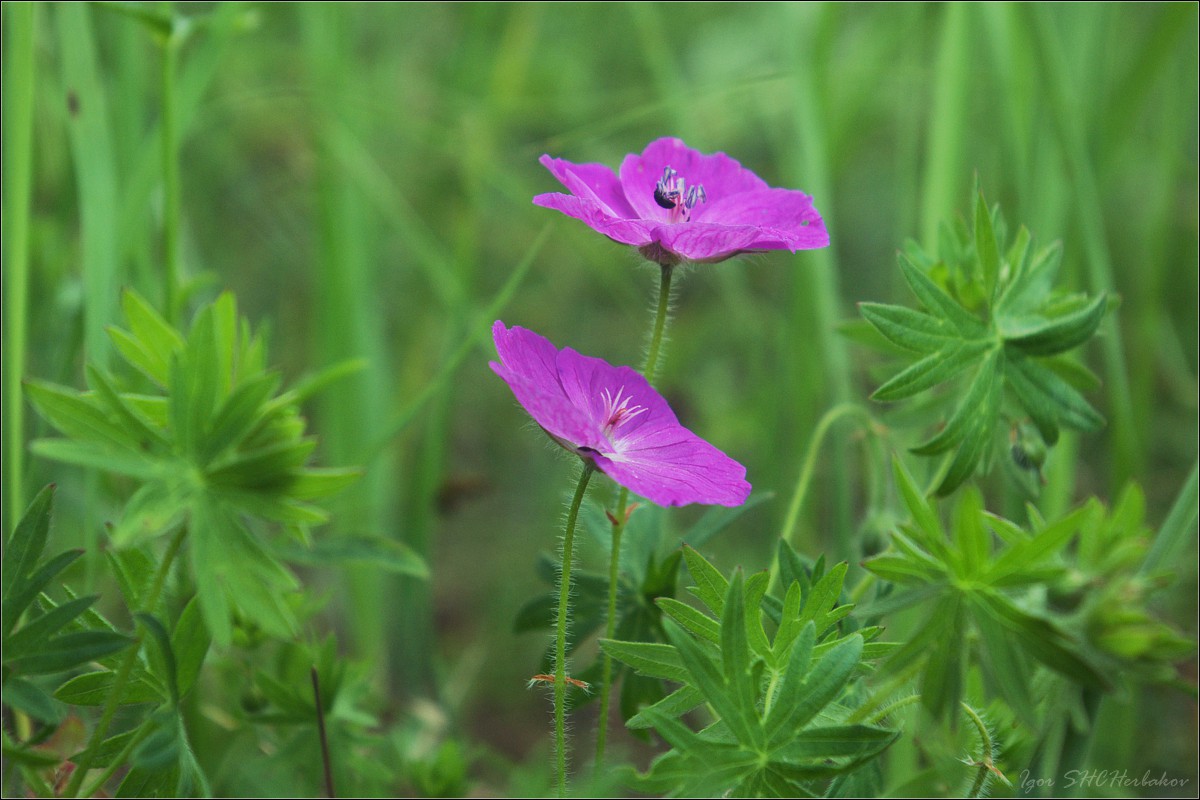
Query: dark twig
{"x":316,"y":684}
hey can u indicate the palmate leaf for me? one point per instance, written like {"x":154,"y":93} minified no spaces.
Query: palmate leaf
{"x":217,"y":448}
{"x":981,"y":599}
{"x":1012,"y":350}
{"x":785,"y":740}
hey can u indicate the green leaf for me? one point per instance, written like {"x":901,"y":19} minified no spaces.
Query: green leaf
{"x":314,"y":483}
{"x":676,"y":704}
{"x":78,"y":416}
{"x":36,"y":631}
{"x":648,"y":658}
{"x":900,"y":570}
{"x":24,"y":591}
{"x":938,"y":302}
{"x":238,"y":414}
{"x":910,"y":329}
{"x":27,"y":697}
{"x":932,"y":370}
{"x":157,"y":340}
{"x":1007,"y":568}
{"x":789,"y":622}
{"x":125,"y":411}
{"x":169,"y":671}
{"x":1064,"y":333}
{"x":264,"y":467}
{"x":695,"y":621}
{"x":806,"y":691}
{"x":945,"y":670}
{"x":1043,"y":640}
{"x":23,"y":549}
{"x":971,"y":539}
{"x":973,"y":413}
{"x":156,"y":509}
{"x":1001,"y":662}
{"x":986,"y":248}
{"x":93,"y":689}
{"x":67,"y":651}
{"x":388,"y":555}
{"x":735,"y":646}
{"x":190,"y":642}
{"x":706,"y":676}
{"x":1047,"y":396}
{"x":710,"y":583}
{"x":96,"y":456}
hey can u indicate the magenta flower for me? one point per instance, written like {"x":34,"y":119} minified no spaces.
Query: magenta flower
{"x":674,"y":204}
{"x":614,"y":418}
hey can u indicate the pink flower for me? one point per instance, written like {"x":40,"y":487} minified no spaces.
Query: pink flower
{"x":675,"y":204}
{"x":614,"y":418}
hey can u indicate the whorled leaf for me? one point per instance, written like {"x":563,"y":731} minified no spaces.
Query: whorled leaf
{"x":992,"y":323}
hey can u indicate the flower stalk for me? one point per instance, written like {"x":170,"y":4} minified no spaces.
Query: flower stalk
{"x":661,"y":319}
{"x":560,"y":641}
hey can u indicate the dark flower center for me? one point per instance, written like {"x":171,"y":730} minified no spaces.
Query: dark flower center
{"x":673,"y":193}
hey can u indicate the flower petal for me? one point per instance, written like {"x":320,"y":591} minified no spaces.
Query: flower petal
{"x":675,"y":467}
{"x":614,"y":417}
{"x":529,"y":370}
{"x":778,"y":209}
{"x":699,"y":241}
{"x":592,"y":182}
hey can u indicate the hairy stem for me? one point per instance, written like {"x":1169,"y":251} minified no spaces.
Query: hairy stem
{"x":660,"y":323}
{"x":125,"y":670}
{"x":560,"y":642}
{"x":661,"y":318}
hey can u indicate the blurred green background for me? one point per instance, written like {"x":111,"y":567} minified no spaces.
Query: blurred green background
{"x":361,"y":177}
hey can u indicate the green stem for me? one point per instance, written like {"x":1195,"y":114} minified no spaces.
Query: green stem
{"x":170,"y":167}
{"x":124,"y":671}
{"x":142,"y":732}
{"x":985,"y":765}
{"x":660,"y":323}
{"x":18,"y":152}
{"x":806,"y":471}
{"x":560,"y":642}
{"x":661,"y":318}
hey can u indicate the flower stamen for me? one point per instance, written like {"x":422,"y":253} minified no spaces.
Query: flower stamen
{"x":672,"y":193}
{"x":617,"y":410}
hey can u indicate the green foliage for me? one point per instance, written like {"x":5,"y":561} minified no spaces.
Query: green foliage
{"x":991,"y":313}
{"x":650,"y":559}
{"x":41,"y":637}
{"x":216,"y":447}
{"x":1106,"y":590}
{"x":975,"y":591}
{"x":780,"y":703}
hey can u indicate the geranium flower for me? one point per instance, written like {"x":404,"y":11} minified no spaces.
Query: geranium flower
{"x":676,"y":204}
{"x":612,"y":417}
